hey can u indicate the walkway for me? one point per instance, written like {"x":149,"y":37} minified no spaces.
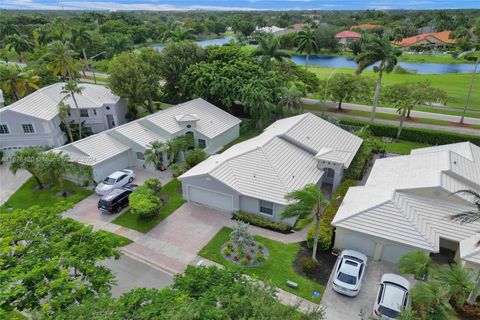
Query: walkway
{"x":9,"y":183}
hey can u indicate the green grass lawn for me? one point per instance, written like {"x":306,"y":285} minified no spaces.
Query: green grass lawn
{"x":403,"y":146}
{"x":276,"y":270}
{"x":16,"y":315}
{"x":122,"y":241}
{"x":27,"y":195}
{"x":175,"y":200}
{"x":431,"y":58}
{"x":454,"y":84}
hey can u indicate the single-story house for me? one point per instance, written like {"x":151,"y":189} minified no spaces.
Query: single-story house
{"x":430,"y":40}
{"x":346,"y":37}
{"x":407,"y":202}
{"x":34,"y":120}
{"x":366,"y":26}
{"x":255,"y":175}
{"x":124,"y":146}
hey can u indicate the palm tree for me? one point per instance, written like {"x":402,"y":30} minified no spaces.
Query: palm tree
{"x":20,"y":44}
{"x":27,"y":159}
{"x":458,"y":280}
{"x":269,"y":48}
{"x":164,"y":30}
{"x":257,"y":102}
{"x":30,"y":81}
{"x":70,"y":89}
{"x":175,"y":146}
{"x":11,"y":80}
{"x":154,"y":154}
{"x":291,"y":96}
{"x":306,"y":43}
{"x":62,"y":59}
{"x":377,"y":50}
{"x":180,"y":34}
{"x":63,"y":110}
{"x":56,"y":166}
{"x":307,"y":200}
{"x":432,"y":300}
{"x":82,"y":38}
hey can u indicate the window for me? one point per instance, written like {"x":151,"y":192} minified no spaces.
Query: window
{"x":88,"y":130}
{"x":84,"y":113}
{"x":140,"y":156}
{"x":69,"y":113}
{"x":202,"y":143}
{"x":94,"y":112}
{"x":266,"y":207}
{"x":28,"y":128}
{"x":4,"y":129}
{"x":108,"y":108}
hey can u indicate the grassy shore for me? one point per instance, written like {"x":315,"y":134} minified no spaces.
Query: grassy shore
{"x":454,"y":84}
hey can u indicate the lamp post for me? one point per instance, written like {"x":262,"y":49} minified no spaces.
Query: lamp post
{"x":90,"y":65}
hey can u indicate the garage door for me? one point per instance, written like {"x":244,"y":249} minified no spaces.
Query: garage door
{"x":113,"y":164}
{"x":359,"y":242}
{"x":392,"y":253}
{"x":211,"y":198}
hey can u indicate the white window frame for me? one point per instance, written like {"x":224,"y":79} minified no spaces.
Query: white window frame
{"x":8,"y":129}
{"x":28,"y":123}
{"x":80,"y":111}
{"x":261,"y":204}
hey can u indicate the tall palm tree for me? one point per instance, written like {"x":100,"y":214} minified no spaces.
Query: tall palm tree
{"x":20,"y":44}
{"x":458,"y":280}
{"x":306,"y":43}
{"x":377,"y":50}
{"x":154,"y":154}
{"x":30,"y":81}
{"x":291,"y":96}
{"x":175,"y":146}
{"x":165,"y":29}
{"x":81,"y":38}
{"x":56,"y":166}
{"x":308,"y":200}
{"x":70,"y":89}
{"x":11,"y":80}
{"x":257,"y":102}
{"x":63,"y":110}
{"x":180,"y":34}
{"x":269,"y":48}
{"x":62,"y":59}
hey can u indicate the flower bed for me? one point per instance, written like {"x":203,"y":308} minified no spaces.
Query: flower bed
{"x":250,"y":255}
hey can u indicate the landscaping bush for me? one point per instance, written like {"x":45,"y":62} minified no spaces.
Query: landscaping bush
{"x":415,"y":262}
{"x":195,"y":156}
{"x":325,"y":232}
{"x":360,"y":161}
{"x":308,"y":265}
{"x":144,"y":203}
{"x":262,"y":222}
{"x":427,"y":136}
{"x":177,"y":170}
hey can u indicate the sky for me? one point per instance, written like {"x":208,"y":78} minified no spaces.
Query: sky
{"x":237,"y":5}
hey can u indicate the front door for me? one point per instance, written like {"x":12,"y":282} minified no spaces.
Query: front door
{"x":110,"y":121}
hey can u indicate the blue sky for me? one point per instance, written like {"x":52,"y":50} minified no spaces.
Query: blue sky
{"x":237,"y":4}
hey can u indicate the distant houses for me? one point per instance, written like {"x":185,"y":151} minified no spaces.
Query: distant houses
{"x":365,"y":26}
{"x":346,"y":37}
{"x":430,"y":41}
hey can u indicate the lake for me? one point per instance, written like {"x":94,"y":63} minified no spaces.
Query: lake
{"x":420,"y":68}
{"x":205,"y":43}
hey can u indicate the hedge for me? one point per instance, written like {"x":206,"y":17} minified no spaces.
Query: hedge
{"x":362,"y":158}
{"x":325,"y":232}
{"x":428,"y":136}
{"x":262,"y":222}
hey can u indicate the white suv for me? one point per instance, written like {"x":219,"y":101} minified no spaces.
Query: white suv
{"x":392,"y":297}
{"x":349,"y":271}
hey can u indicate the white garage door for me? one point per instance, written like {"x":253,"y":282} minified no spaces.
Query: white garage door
{"x":113,"y":164}
{"x":360,"y":243}
{"x":392,"y":253}
{"x":211,"y":198}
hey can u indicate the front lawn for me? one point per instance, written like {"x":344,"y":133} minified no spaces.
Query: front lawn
{"x":175,"y":201}
{"x":403,"y":146}
{"x":27,"y":195}
{"x":121,"y":240}
{"x":276,"y":270}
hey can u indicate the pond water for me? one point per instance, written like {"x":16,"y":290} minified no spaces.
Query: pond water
{"x":420,"y":68}
{"x":205,"y":43}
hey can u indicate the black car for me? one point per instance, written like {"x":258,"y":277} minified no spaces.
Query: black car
{"x":114,"y":201}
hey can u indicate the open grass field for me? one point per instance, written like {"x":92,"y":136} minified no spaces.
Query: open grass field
{"x":277,"y":269}
{"x":431,"y":58}
{"x":454,"y":84}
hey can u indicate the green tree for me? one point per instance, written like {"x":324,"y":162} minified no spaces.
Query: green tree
{"x":165,"y":29}
{"x":28,"y":159}
{"x":269,"y":49}
{"x":175,"y":146}
{"x":70,"y":89}
{"x":291,"y":96}
{"x":325,"y":38}
{"x":180,"y":34}
{"x":81,"y":38}
{"x":195,"y":156}
{"x":377,"y":50}
{"x":150,"y":66}
{"x":154,"y":154}
{"x":144,"y":202}
{"x":20,"y":44}
{"x":11,"y":81}
{"x":306,"y":43}
{"x":56,"y":167}
{"x":63,"y":111}
{"x":62,"y":59}
{"x":458,"y":279}
{"x":51,"y":263}
{"x":432,"y":300}
{"x":346,"y":87}
{"x":306,"y":201}
{"x":415,"y":262}
{"x":29,"y":81}
{"x":257,"y":101}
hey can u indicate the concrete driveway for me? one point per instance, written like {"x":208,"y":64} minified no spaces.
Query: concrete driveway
{"x":131,"y":274}
{"x":9,"y":183}
{"x":339,"y":307}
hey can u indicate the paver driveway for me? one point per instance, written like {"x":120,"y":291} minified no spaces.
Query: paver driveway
{"x":339,"y":307}
{"x":9,"y":183}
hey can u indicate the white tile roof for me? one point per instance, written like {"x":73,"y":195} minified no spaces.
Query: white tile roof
{"x":275,"y":163}
{"x":409,"y":199}
{"x":139,"y":134}
{"x":43,"y":103}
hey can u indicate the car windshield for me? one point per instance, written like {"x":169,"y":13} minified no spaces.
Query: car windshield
{"x":346,"y":278}
{"x":108,"y":181}
{"x":388,"y":312}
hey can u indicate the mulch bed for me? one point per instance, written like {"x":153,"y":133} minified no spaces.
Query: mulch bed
{"x":323,"y":269}
{"x":66,"y":194}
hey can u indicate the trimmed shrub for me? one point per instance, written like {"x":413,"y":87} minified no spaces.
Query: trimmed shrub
{"x":195,"y":156}
{"x":227,"y":251}
{"x":260,"y":257}
{"x":325,"y":233}
{"x":262,"y":222}
{"x":359,"y":163}
{"x":308,"y":265}
{"x":144,"y":203}
{"x":428,"y":136}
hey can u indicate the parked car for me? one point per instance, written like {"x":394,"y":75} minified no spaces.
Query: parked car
{"x":115,"y":180}
{"x":392,"y":297}
{"x":114,"y":201}
{"x":130,"y":186}
{"x":349,"y":271}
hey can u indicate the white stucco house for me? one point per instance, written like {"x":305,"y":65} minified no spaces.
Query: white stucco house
{"x":34,"y":120}
{"x":125,"y":145}
{"x":407,"y":202}
{"x":255,"y":175}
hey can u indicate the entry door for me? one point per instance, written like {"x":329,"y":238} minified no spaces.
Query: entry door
{"x":110,"y":121}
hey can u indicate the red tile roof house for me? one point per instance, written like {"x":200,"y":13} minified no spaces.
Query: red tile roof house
{"x":346,"y":37}
{"x":431,"y":40}
{"x":299,"y":26}
{"x":365,"y":26}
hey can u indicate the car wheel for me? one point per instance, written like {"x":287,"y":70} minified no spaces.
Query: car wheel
{"x":130,"y":180}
